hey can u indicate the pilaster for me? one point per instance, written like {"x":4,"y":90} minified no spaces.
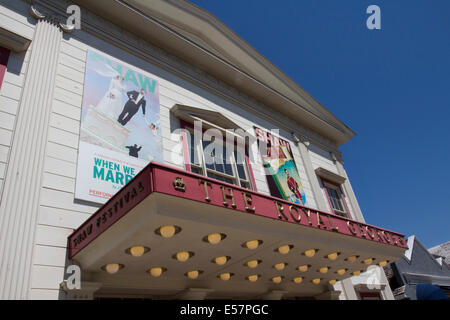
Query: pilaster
{"x":20,"y":203}
{"x":302,"y":144}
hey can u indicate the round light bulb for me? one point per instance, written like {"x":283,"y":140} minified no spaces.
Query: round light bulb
{"x":253,"y":244}
{"x":356,"y":273}
{"x":340,"y":272}
{"x":310,"y":253}
{"x":323,"y":270}
{"x":333,"y":256}
{"x":253,"y":278}
{"x":284,"y":249}
{"x":183,"y":256}
{"x":279,"y":266}
{"x":303,"y":268}
{"x":137,"y":251}
{"x":221,"y":260}
{"x":214,"y":238}
{"x":382,"y":263}
{"x":298,"y":280}
{"x":368,"y":261}
{"x":112,"y":268}
{"x":225,"y":276}
{"x":351,"y":259}
{"x":332,"y":282}
{"x":193,"y":274}
{"x":316,"y":281}
{"x":252,"y":263}
{"x":167,"y":231}
{"x":276,"y":279}
{"x":156,"y":272}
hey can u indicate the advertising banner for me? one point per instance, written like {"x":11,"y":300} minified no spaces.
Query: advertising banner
{"x":120,"y":127}
{"x":281,"y":171}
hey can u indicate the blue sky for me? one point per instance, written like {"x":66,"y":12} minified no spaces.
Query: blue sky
{"x":391,"y":86}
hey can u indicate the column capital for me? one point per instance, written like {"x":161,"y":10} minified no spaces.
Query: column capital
{"x":300,"y":139}
{"x":51,"y":17}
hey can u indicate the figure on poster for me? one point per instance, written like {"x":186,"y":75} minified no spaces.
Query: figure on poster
{"x":136,"y":100}
{"x":112,"y":102}
{"x":293,"y":186}
{"x":133,"y":150}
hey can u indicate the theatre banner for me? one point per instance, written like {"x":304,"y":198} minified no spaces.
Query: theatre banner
{"x":120,"y":127}
{"x":281,"y":171}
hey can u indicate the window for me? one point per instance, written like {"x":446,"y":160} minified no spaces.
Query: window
{"x":335,"y":199}
{"x":4,"y":55}
{"x":208,"y":159}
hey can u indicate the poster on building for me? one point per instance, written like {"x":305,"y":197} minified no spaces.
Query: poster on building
{"x":281,"y":171}
{"x":120,"y":127}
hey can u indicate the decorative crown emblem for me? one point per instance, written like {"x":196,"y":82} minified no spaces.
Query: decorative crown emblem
{"x":179,"y":184}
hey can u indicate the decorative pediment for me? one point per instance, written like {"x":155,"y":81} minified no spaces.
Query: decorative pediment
{"x":190,"y":114}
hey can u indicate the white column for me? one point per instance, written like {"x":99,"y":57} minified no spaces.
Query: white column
{"x":302,"y":144}
{"x":20,"y":202}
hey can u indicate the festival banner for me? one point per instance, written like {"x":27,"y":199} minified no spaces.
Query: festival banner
{"x":281,"y":171}
{"x":120,"y":127}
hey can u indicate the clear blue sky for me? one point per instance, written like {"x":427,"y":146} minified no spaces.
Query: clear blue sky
{"x":391,"y":86}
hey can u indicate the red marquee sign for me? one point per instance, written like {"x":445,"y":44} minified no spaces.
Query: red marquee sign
{"x":163,"y":179}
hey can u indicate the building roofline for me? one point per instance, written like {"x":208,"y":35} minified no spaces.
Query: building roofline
{"x":199,"y":38}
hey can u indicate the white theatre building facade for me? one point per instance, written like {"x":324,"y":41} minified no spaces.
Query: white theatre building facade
{"x":153,"y":154}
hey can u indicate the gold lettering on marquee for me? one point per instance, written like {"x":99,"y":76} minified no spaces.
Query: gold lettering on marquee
{"x":206,"y":184}
{"x":297,"y":218}
{"x":226,"y":196}
{"x":280,"y":210}
{"x":352,"y":228}
{"x":371,"y":232}
{"x":333,"y":228}
{"x":308,"y":215}
{"x":387,"y":237}
{"x":363,"y":232}
{"x":248,"y":202}
{"x":320,"y":223}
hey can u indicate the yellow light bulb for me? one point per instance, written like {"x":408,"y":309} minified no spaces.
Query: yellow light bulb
{"x":351,"y":259}
{"x":340,"y":272}
{"x":303,"y":268}
{"x":276,"y":279}
{"x":252,"y":263}
{"x":167,"y":231}
{"x":214,"y":238}
{"x":332,"y":282}
{"x":284,"y":249}
{"x":298,"y":280}
{"x":156,"y":272}
{"x":323,"y":270}
{"x":112,"y":268}
{"x":310,"y":253}
{"x":382,"y":263}
{"x":225,"y":276}
{"x":368,"y":261}
{"x":183,"y":256}
{"x":333,"y":256}
{"x":252,"y":278}
{"x":279,"y":266}
{"x":221,"y":260}
{"x":193,"y":274}
{"x":253,"y":244}
{"x":316,"y":281}
{"x":356,"y":273}
{"x":137,"y":251}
